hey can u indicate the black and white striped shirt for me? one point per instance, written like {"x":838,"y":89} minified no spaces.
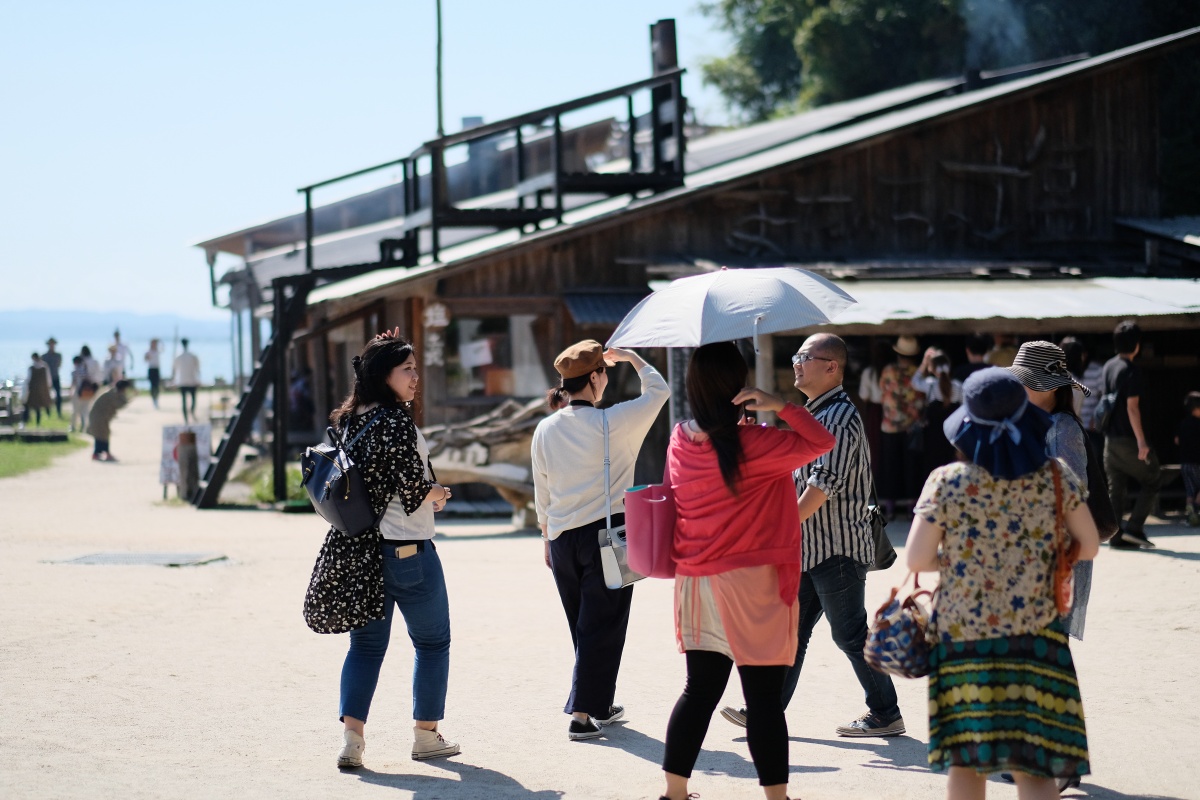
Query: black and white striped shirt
{"x":842,"y":525}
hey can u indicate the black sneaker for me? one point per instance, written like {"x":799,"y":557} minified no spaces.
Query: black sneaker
{"x":615,"y":712}
{"x":1138,"y":538}
{"x":583,"y":730}
{"x":1118,"y":542}
{"x":871,"y":725}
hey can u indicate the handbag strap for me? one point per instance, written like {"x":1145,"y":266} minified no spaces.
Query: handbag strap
{"x":1062,"y":540}
{"x":607,"y":488}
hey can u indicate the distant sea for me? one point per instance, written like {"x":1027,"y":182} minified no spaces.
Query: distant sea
{"x":23,"y":332}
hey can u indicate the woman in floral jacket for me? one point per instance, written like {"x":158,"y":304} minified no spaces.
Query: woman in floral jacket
{"x":358,"y":583}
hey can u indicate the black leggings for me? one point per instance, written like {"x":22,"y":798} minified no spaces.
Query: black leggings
{"x":766,"y":727}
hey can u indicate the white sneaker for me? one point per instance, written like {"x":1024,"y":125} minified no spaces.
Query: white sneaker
{"x":351,"y":755}
{"x":430,"y":744}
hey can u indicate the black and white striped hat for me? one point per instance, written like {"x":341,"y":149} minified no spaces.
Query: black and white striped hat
{"x":1042,"y":366}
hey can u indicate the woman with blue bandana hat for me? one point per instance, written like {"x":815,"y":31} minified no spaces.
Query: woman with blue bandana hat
{"x":1003,"y":694}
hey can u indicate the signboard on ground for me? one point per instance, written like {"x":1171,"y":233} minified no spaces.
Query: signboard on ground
{"x":168,"y":470}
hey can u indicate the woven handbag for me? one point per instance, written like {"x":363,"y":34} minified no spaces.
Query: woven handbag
{"x":898,"y":642}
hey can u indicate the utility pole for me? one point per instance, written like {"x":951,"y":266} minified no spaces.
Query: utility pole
{"x":441,"y":129}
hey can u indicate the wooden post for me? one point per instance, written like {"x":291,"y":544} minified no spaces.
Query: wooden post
{"x":764,"y":371}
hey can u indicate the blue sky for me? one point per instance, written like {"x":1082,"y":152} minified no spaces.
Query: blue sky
{"x":135,"y":129}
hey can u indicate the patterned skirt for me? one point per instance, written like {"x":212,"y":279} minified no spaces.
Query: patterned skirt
{"x":1010,"y":704}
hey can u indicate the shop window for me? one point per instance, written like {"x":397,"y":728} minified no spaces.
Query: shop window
{"x":495,"y":356}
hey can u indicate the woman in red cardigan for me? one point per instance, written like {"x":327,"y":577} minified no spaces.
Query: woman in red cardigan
{"x":737,"y":553}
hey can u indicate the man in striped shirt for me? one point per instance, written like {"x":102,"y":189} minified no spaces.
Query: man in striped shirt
{"x":837,"y":548}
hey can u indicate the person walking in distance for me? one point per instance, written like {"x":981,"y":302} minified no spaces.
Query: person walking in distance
{"x":108,"y":402}
{"x":54,"y":360}
{"x":568,"y":453}
{"x":1127,"y":453}
{"x":38,"y":394}
{"x":186,"y":374}
{"x":837,"y":547}
{"x":154,"y":369}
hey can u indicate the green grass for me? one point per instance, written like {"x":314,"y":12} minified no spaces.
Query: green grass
{"x":17,"y":458}
{"x":260,"y":477}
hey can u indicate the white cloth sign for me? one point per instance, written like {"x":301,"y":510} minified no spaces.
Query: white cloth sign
{"x":168,"y":470}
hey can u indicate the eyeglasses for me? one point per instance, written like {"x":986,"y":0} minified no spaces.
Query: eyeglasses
{"x":800,"y":358}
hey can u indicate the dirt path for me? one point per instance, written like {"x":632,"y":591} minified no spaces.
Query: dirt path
{"x":203,"y":682}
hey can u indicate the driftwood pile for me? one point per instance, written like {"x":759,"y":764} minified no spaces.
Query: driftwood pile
{"x":492,"y":449}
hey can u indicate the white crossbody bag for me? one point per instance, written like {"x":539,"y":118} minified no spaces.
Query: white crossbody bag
{"x":614,"y":557}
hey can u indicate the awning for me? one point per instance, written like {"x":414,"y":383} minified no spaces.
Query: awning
{"x":601,"y":308}
{"x":1024,"y":307}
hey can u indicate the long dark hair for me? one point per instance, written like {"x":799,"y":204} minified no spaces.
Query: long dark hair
{"x":716,"y":373}
{"x":371,"y":370}
{"x":1064,"y":401}
{"x":559,"y":396}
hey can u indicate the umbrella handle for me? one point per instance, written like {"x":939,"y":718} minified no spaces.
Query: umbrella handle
{"x":757,"y":320}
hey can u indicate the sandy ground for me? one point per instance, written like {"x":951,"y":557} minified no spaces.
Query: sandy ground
{"x":198,"y":682}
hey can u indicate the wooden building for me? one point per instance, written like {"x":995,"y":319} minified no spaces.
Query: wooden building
{"x":1025,"y":177}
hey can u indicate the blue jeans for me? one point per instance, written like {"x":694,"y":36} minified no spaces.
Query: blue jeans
{"x":837,"y":588}
{"x":417,"y":586}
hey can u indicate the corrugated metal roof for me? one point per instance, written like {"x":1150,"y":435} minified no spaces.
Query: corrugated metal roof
{"x":601,"y":308}
{"x":1181,"y":229}
{"x":892,"y":301}
{"x":714,"y":178}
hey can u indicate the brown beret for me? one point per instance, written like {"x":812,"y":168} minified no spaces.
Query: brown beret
{"x":580,"y":359}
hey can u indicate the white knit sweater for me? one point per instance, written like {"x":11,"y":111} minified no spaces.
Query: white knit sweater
{"x":568,"y":456}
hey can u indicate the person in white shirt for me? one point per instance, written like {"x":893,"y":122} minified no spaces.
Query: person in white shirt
{"x":943,"y":394}
{"x":569,"y":494}
{"x":186,"y":375}
{"x":123,"y":354}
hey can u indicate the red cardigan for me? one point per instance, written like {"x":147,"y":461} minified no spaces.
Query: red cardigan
{"x":716,"y":531}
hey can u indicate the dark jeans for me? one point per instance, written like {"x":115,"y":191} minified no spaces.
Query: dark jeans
{"x":417,"y":586}
{"x":155,"y":376}
{"x":1121,"y":463}
{"x":56,"y":385}
{"x":766,"y":727}
{"x":100,"y":447}
{"x":836,"y":588}
{"x":597,"y":616}
{"x":184,"y":391}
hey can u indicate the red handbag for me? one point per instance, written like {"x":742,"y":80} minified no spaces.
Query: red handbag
{"x":650,"y":529}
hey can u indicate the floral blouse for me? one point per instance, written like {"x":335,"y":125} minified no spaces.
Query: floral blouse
{"x":346,"y":588}
{"x":901,"y":402}
{"x":996,"y":562}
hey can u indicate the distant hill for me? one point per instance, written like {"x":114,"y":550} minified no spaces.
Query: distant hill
{"x":99,"y":325}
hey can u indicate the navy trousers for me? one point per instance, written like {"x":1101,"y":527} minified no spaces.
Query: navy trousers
{"x":597,"y":616}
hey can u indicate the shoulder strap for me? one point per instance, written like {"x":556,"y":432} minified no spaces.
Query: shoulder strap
{"x":607,"y":489}
{"x":344,"y":445}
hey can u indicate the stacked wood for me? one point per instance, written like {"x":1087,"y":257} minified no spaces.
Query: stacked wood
{"x":492,"y":449}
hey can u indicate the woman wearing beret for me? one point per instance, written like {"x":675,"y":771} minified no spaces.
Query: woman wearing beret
{"x":569,"y":494}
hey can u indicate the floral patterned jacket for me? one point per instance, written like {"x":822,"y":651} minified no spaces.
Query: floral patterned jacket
{"x":346,"y":589}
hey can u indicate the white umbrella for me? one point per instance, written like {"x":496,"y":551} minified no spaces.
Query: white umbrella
{"x":730,"y":304}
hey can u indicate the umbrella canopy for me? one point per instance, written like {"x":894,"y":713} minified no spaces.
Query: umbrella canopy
{"x":730,"y":304}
